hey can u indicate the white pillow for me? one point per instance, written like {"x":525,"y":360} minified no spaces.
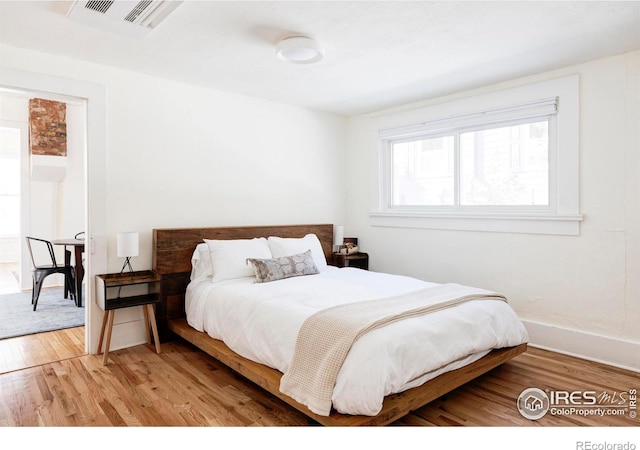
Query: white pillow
{"x":229,"y":257}
{"x":293,"y":246}
{"x":201,"y":267}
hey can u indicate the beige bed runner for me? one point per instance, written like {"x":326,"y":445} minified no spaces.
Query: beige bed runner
{"x":326,"y":337}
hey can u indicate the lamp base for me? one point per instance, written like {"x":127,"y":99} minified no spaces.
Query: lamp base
{"x":127,"y":263}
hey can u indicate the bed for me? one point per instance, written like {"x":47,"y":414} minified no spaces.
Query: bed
{"x":250,"y":324}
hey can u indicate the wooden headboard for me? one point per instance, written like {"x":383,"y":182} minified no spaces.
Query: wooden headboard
{"x":173,"y":248}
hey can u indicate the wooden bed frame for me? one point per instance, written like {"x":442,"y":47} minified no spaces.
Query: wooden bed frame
{"x":172,"y":251}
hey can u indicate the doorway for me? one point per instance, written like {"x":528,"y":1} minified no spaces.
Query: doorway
{"x":42,"y":199}
{"x":95,"y":173}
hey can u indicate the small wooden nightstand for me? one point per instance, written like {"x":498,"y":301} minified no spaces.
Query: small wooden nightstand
{"x":358,"y":260}
{"x":142,"y":290}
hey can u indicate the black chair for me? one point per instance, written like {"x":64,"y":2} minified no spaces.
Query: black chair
{"x":44,"y":266}
{"x":67,"y":256}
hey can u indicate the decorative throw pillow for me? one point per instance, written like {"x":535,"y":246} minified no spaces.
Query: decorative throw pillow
{"x":284,"y":267}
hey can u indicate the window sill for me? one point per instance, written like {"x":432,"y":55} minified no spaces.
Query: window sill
{"x":557,"y":224}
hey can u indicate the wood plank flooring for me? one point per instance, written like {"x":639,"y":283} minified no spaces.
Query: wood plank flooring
{"x":38,"y":349}
{"x":182,"y":386}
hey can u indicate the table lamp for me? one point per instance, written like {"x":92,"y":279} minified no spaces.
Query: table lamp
{"x":127,"y":245}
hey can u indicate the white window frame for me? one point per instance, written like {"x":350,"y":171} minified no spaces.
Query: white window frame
{"x":558,"y":99}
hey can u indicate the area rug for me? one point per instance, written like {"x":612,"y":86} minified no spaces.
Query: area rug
{"x":54,"y":312}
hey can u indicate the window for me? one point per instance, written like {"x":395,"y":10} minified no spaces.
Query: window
{"x":499,"y":165}
{"x":492,"y":169}
{"x":9,"y":182}
{"x":506,"y":165}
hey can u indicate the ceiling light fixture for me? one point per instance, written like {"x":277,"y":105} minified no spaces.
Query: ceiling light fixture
{"x":299,"y":50}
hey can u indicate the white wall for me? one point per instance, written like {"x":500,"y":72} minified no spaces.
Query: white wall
{"x":577,"y":294}
{"x":184,"y":156}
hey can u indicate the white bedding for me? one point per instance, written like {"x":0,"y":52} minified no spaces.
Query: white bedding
{"x":260,"y":321}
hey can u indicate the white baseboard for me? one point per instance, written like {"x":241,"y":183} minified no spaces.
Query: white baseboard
{"x":614,"y":352}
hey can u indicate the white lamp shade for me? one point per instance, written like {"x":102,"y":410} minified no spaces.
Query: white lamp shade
{"x":127,"y":243}
{"x":338,"y":235}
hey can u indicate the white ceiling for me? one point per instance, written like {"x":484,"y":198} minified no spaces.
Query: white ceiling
{"x":378,"y":54}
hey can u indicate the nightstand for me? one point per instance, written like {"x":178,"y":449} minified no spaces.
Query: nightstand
{"x":141,"y":289}
{"x":357,"y":260}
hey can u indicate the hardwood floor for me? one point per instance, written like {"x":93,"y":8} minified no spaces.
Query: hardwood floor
{"x":42,"y":348}
{"x":46,"y":380}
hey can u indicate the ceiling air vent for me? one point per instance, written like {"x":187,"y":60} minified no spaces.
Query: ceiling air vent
{"x":100,"y":6}
{"x":139,"y":9}
{"x":131,"y":18}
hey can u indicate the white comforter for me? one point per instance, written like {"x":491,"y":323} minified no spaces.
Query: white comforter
{"x":260,"y":321}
